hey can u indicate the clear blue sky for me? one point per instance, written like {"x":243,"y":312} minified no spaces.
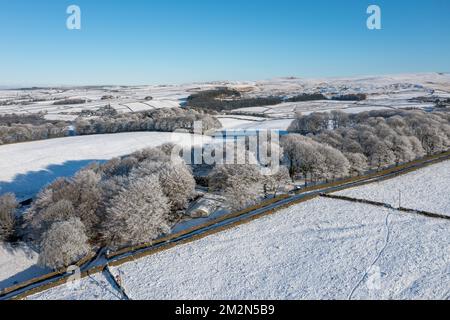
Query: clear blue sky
{"x":174,"y":41}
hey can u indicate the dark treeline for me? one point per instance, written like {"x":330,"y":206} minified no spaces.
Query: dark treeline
{"x":224,"y":99}
{"x":69,"y":102}
{"x":350,"y":97}
{"x":227,"y":99}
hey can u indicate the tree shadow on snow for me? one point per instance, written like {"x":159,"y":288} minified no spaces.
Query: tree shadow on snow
{"x":27,"y":185}
{"x":18,"y":249}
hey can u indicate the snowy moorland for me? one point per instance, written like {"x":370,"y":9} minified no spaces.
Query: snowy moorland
{"x":427,"y":189}
{"x":26,"y":167}
{"x":321,"y":249}
{"x":382,"y":92}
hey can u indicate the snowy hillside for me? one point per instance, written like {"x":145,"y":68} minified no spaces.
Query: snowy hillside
{"x":427,"y":189}
{"x":26,"y":167}
{"x":321,"y":249}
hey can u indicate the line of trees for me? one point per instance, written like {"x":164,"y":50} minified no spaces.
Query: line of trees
{"x":21,"y":128}
{"x":368,"y":140}
{"x":166,"y":120}
{"x":320,"y":96}
{"x":16,"y":128}
{"x":224,"y":99}
{"x":227,"y":99}
{"x":313,"y":160}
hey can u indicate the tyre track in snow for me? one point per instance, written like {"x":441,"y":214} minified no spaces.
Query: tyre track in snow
{"x":386,"y":242}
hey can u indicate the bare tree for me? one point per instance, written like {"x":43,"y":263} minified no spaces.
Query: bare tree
{"x":8,"y":207}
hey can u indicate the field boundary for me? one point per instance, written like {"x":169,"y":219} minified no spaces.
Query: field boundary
{"x":387,"y":205}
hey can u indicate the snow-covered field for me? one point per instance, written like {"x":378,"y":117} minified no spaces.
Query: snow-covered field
{"x":289,"y":109}
{"x":236,"y":123}
{"x":427,"y":189}
{"x":123,"y":99}
{"x":17,"y":264}
{"x":95,"y":287}
{"x":321,"y":249}
{"x":26,"y":167}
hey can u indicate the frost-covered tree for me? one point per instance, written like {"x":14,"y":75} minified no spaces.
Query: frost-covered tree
{"x":239,"y":195}
{"x":54,"y":212}
{"x":242,"y":184}
{"x":302,"y":156}
{"x":332,"y":138}
{"x":334,"y":164}
{"x":402,"y":148}
{"x":224,"y":176}
{"x":63,"y":244}
{"x":313,"y":123}
{"x":358,"y":163}
{"x":416,"y":146}
{"x":151,"y":154}
{"x":78,"y":197}
{"x":119,"y":167}
{"x":175,"y":178}
{"x":86,"y":185}
{"x":275,"y":180}
{"x":138,"y":214}
{"x":339,"y":119}
{"x":380,"y":155}
{"x":8,"y":207}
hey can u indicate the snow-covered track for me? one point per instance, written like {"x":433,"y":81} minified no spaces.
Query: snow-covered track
{"x":218,"y":225}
